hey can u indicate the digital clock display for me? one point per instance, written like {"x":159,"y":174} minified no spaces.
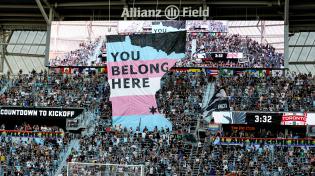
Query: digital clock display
{"x":218,"y":55}
{"x":263,"y":119}
{"x":254,"y":118}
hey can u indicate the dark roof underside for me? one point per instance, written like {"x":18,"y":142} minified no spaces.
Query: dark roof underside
{"x":25,"y":14}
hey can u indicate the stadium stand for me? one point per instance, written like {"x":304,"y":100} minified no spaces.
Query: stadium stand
{"x":292,"y":92}
{"x":43,"y":89}
{"x":80,"y":56}
{"x":77,"y":80}
{"x":162,"y":152}
{"x":259,"y":55}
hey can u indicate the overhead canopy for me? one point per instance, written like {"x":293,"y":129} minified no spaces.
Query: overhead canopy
{"x":26,"y":14}
{"x":26,"y":51}
{"x":302,"y":52}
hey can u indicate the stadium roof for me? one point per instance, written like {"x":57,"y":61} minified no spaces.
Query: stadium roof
{"x":27,"y":14}
{"x":302,"y":52}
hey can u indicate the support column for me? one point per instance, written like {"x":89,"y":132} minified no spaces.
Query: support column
{"x":205,"y":7}
{"x":3,"y":49}
{"x":286,"y":34}
{"x":42,"y":10}
{"x":48,"y":19}
{"x":48,"y":37}
{"x":262,"y":31}
{"x":125,"y":6}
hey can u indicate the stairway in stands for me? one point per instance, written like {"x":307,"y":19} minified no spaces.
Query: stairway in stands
{"x":89,"y":123}
{"x":193,"y":126}
{"x":196,"y":165}
{"x":210,"y":90}
{"x":187,"y":152}
{"x":208,"y":94}
{"x":8,"y":85}
{"x":74,"y":144}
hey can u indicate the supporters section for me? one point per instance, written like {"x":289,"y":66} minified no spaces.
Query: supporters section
{"x":209,"y":43}
{"x":158,"y":97}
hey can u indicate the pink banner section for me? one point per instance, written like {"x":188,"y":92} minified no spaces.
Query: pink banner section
{"x":139,"y":69}
{"x":134,"y":105}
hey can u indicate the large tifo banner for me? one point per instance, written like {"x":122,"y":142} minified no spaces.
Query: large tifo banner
{"x":135,"y":65}
{"x":277,"y":118}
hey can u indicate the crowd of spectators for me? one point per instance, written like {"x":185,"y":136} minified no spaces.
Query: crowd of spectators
{"x":256,"y":55}
{"x":87,"y":51}
{"x":32,"y":127}
{"x":210,"y":37}
{"x":31,"y":156}
{"x":292,"y":92}
{"x":40,"y":156}
{"x":256,"y":160}
{"x":168,"y":153}
{"x":101,"y":55}
{"x":57,"y":90}
{"x":162,"y":152}
{"x":206,"y":26}
{"x":264,"y":133}
{"x":134,"y":27}
{"x":180,"y":98}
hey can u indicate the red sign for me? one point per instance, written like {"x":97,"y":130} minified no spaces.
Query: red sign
{"x":294,"y":119}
